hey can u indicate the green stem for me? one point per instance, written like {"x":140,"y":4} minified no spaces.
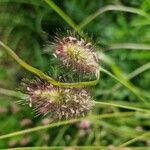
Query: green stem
{"x":11,"y":93}
{"x":66,"y":122}
{"x":89,"y":147}
{"x":132,"y":75}
{"x":59,"y":148}
{"x":135,"y":139}
{"x":62,"y":14}
{"x":111,"y":8}
{"x":126,"y":84}
{"x":42,"y":75}
{"x":133,"y":46}
{"x":122,"y":106}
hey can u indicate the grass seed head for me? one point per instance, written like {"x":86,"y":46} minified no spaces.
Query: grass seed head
{"x":76,"y":54}
{"x":59,"y":103}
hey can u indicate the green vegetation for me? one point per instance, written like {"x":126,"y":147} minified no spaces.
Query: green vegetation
{"x":120,"y":30}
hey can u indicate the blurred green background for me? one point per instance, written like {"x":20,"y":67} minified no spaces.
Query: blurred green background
{"x":122,"y":40}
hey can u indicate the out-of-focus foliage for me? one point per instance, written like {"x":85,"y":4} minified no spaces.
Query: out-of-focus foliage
{"x":28,"y":25}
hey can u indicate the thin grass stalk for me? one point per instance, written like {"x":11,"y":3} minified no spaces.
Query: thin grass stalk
{"x":66,"y":122}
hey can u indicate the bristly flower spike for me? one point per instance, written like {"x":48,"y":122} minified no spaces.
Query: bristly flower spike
{"x":77,"y":54}
{"x":56,"y":102}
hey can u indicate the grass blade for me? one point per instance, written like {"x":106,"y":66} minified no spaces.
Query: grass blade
{"x":130,"y":76}
{"x":75,"y":147}
{"x":125,"y":83}
{"x":119,"y":74}
{"x":62,"y":14}
{"x":66,"y":122}
{"x":135,"y":139}
{"x":122,"y":106}
{"x":112,"y":8}
{"x":133,"y":46}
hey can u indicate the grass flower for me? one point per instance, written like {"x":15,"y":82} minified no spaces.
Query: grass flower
{"x":76,"y":54}
{"x":59,"y":103}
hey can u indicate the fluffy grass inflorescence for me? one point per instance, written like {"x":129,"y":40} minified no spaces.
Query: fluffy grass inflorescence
{"x":58,"y":103}
{"x":61,"y":102}
{"x":76,"y":54}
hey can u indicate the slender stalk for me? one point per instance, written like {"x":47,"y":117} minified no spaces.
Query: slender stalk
{"x":121,"y":75}
{"x":59,"y":136}
{"x":62,"y":14}
{"x":133,"y":46}
{"x":122,"y":106}
{"x":65,"y":17}
{"x":12,"y":93}
{"x":59,"y":148}
{"x":40,"y":74}
{"x":139,"y":71}
{"x":75,"y":147}
{"x":126,"y":84}
{"x":111,"y":8}
{"x":135,"y":139}
{"x":132,"y":75}
{"x":66,"y":122}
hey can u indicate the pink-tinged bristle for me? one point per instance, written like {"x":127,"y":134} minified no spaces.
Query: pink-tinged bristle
{"x":77,"y":54}
{"x":58,"y":103}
